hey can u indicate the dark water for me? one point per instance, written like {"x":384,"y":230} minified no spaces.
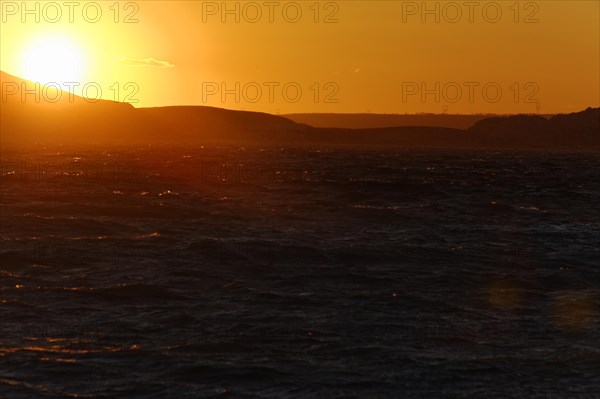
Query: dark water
{"x":289,"y":273}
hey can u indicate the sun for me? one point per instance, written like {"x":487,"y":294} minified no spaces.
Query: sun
{"x":53,"y":59}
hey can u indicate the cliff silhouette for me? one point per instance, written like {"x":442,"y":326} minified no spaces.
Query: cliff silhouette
{"x":29,"y":119}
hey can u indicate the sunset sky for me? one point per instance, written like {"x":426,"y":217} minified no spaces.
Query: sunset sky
{"x":346,"y":56}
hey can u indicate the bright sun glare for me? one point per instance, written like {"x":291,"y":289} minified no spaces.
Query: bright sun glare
{"x":53,"y":60}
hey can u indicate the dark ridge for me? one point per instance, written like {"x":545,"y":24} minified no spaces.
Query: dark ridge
{"x":373,"y":121}
{"x":75,"y":119}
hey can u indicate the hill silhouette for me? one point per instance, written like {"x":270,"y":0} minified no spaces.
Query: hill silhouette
{"x":371,"y":121}
{"x":33,"y":113}
{"x":576,"y":129}
{"x":72,"y":119}
{"x":27,"y":118}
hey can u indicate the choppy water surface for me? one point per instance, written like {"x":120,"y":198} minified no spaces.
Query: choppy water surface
{"x":296,"y":273}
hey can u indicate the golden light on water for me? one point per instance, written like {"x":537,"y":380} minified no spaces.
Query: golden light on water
{"x":505,"y":295}
{"x":575,"y":311}
{"x":570,"y":311}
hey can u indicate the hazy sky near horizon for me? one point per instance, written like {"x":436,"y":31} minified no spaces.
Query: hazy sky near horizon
{"x":308,"y":56}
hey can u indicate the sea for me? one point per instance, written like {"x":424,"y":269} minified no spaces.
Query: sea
{"x":145,"y":271}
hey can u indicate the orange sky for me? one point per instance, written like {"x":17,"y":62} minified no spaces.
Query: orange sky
{"x":345,"y":56}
